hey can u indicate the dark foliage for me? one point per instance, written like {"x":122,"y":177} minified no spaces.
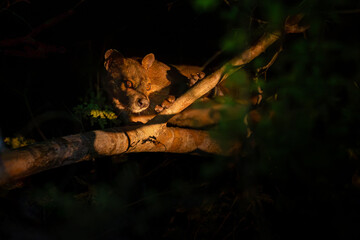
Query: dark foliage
{"x":297,"y":176}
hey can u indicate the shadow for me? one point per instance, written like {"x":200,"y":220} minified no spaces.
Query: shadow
{"x":178,"y":82}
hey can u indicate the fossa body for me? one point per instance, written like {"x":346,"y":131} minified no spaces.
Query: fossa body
{"x":140,"y":88}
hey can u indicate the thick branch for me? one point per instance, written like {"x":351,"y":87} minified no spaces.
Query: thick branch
{"x":35,"y":158}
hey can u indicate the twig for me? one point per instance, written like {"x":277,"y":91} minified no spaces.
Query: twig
{"x":227,"y":216}
{"x":211,"y":59}
{"x":273,"y":59}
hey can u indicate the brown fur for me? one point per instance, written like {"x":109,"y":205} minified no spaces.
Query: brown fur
{"x":138,"y":86}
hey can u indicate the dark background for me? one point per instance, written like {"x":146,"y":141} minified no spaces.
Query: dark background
{"x":297,"y":177}
{"x":68,"y":58}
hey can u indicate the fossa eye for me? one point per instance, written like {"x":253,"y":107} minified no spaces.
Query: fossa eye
{"x":128,"y":84}
{"x":148,"y":86}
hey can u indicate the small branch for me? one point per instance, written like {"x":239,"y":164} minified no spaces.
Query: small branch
{"x":292,"y":24}
{"x":211,"y":59}
{"x":273,"y":59}
{"x":209,"y":82}
{"x":263,"y":70}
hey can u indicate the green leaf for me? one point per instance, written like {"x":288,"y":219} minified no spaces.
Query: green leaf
{"x":205,"y":5}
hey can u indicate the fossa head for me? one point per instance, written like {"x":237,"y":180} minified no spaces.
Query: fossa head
{"x":128,"y":80}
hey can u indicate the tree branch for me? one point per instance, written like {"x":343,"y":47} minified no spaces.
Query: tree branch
{"x":209,"y":82}
{"x":39,"y":157}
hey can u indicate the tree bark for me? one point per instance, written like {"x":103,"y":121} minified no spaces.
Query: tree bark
{"x":39,"y":157}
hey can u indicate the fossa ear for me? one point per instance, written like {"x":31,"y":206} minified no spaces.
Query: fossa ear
{"x":111,"y":55}
{"x":148,"y":61}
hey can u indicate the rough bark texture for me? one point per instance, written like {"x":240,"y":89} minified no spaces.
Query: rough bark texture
{"x":80,"y":147}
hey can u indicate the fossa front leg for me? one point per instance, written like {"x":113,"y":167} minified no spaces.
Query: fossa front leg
{"x":195,"y":77}
{"x":165,"y":104}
